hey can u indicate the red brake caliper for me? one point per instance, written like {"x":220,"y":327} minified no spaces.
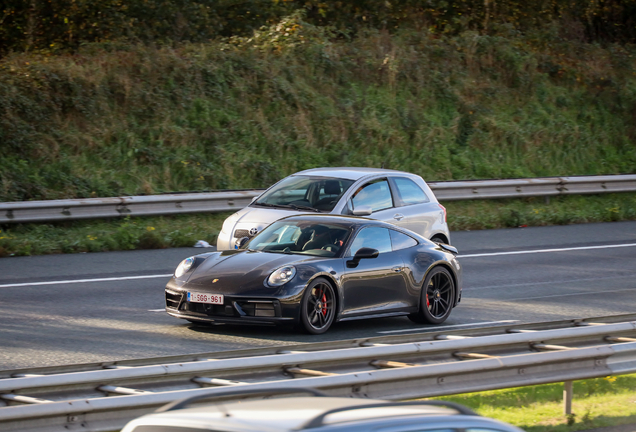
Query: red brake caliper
{"x":324,"y":304}
{"x":428,"y":303}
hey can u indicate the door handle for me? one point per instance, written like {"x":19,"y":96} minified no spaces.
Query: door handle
{"x":398,"y":216}
{"x":397,"y":269}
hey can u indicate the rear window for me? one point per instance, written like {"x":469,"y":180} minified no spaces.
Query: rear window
{"x":409,"y":191}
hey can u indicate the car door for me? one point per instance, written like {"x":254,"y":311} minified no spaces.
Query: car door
{"x":377,"y":195}
{"x":414,"y":209}
{"x":374,"y":285}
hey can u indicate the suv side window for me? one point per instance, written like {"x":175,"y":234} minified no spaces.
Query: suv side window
{"x":371,"y":237}
{"x":375,"y":194}
{"x":409,"y":191}
{"x":401,"y":241}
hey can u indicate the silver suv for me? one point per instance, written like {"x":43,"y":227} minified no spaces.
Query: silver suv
{"x":316,"y":414}
{"x":397,"y":197}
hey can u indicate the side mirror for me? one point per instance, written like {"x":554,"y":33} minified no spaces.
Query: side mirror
{"x":241,"y":242}
{"x":362,"y":253}
{"x":254,"y":199}
{"x":362,"y":211}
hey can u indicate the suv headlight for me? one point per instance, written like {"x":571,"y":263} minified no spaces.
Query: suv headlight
{"x":281,"y":276}
{"x":183,"y":267}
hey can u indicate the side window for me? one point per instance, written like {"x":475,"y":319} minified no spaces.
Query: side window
{"x":409,"y":191}
{"x":401,"y":241}
{"x":372,"y":237}
{"x":376,"y":195}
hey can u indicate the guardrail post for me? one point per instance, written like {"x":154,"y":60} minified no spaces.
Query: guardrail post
{"x":567,"y":398}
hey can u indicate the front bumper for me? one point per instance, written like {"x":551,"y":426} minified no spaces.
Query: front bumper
{"x":235,"y":309}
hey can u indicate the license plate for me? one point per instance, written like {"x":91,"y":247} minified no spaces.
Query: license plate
{"x":196,"y":297}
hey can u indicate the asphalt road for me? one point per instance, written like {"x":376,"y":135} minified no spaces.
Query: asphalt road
{"x":511,"y":274}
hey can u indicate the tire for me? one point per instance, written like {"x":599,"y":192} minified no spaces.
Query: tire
{"x":437,"y":298}
{"x":318,"y":307}
{"x":438,"y":240}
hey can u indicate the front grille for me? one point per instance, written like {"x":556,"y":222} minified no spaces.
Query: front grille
{"x":210,"y":310}
{"x":173,"y":300}
{"x":240,"y":233}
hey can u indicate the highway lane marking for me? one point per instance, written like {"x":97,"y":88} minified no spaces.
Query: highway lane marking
{"x":546,"y":250}
{"x":552,"y":282}
{"x":86,"y":280}
{"x":565,"y":295}
{"x":449,"y":326}
{"x":157,"y":310}
{"x":170,"y":275}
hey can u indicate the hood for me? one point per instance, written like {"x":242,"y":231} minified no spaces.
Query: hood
{"x":263,"y":215}
{"x":236,"y":269}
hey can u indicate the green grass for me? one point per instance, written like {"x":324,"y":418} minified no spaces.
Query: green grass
{"x":596,"y":403}
{"x":110,"y":235}
{"x":185,"y":230}
{"x":121,"y":119}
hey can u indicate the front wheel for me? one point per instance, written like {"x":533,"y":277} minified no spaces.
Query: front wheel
{"x":437,"y":297}
{"x":318,"y":307}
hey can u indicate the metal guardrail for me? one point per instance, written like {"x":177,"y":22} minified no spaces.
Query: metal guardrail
{"x":447,"y":364}
{"x":211,"y":202}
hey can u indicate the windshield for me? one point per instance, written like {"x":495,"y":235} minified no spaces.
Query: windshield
{"x":305,"y":193}
{"x":301,"y":237}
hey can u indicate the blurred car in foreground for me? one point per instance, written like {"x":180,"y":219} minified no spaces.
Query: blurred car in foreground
{"x":317,"y":413}
{"x":401,"y":198}
{"x":314,"y":270}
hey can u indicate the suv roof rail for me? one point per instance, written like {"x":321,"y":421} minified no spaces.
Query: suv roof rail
{"x":319,"y":420}
{"x":182,"y":403}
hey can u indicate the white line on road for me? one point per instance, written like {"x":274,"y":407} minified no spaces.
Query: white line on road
{"x":448,"y":327}
{"x":156,"y":310}
{"x":547,"y":250}
{"x":62,"y":282}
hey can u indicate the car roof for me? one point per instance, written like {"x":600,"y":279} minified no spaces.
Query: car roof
{"x":349,"y":173}
{"x":285,"y":414}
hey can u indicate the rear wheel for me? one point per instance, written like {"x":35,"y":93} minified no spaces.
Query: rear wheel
{"x":318,"y":307}
{"x":438,"y":294}
{"x":439,"y":239}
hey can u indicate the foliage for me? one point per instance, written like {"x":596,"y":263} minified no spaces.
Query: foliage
{"x":129,"y":119}
{"x":47,"y":24}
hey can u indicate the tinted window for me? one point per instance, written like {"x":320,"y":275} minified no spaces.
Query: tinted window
{"x":376,"y":195}
{"x":409,"y":191}
{"x":401,"y":241}
{"x":372,"y":237}
{"x":316,"y":192}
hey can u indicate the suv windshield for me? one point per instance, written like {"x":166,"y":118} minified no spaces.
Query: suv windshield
{"x":305,"y":193}
{"x":301,"y":237}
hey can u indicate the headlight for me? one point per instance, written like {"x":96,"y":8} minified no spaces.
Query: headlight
{"x":281,"y":276}
{"x":183,"y":267}
{"x":227,"y":225}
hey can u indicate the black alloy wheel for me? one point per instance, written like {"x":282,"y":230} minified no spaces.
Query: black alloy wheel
{"x":438,"y":295}
{"x":318,"y":307}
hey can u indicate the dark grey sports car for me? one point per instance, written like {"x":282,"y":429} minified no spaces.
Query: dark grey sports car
{"x":316,"y":269}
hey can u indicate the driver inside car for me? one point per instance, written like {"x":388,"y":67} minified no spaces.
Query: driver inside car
{"x":320,"y":239}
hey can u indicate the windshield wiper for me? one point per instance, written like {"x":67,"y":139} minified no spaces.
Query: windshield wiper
{"x":291,"y":206}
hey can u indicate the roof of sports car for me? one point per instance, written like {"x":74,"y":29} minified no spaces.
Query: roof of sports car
{"x":349,"y":173}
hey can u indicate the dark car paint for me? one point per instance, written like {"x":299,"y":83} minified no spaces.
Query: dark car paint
{"x":242,"y":274}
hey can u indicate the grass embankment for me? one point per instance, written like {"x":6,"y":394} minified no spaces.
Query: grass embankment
{"x":596,"y":403}
{"x":116,"y":119}
{"x":185,"y":230}
{"x":121,"y":119}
